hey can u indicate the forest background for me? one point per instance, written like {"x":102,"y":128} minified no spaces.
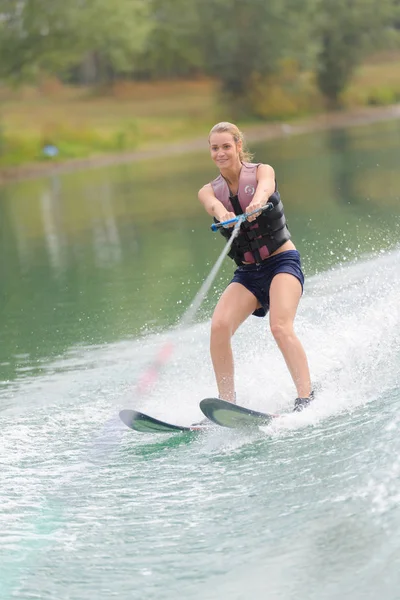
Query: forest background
{"x":85,"y":78}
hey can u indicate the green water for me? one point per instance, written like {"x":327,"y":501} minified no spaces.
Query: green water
{"x":104,"y":255}
{"x":96,"y":268}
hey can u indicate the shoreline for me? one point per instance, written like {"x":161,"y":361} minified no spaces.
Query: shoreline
{"x":254,"y":133}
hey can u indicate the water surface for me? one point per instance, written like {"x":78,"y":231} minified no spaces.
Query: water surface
{"x":97,"y":267}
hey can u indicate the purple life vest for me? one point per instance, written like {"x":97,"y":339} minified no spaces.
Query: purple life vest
{"x":246,"y":191}
{"x":256,"y":240}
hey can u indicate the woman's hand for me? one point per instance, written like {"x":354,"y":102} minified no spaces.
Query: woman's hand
{"x":227,"y":216}
{"x":254,"y":206}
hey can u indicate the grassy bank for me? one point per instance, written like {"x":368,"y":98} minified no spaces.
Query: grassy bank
{"x":82,"y":123}
{"x":139,"y":116}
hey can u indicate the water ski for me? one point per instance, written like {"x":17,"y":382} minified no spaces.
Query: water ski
{"x":146,"y":424}
{"x":228,"y":414}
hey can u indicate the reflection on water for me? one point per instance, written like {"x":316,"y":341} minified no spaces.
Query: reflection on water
{"x":52,"y":226}
{"x":103,"y":255}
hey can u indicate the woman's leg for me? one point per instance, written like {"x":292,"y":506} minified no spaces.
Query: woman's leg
{"x":234,"y":306}
{"x":284,"y":296}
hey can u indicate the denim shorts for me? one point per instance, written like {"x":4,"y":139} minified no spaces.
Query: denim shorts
{"x":257,"y":278}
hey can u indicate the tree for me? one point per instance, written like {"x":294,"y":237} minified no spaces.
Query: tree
{"x":33,"y":34}
{"x":50,"y":35}
{"x":116,"y":32}
{"x":348,"y":31}
{"x":243,"y":38}
{"x":173,"y":46}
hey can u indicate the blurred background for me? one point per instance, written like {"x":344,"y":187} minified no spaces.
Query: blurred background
{"x":99,"y":264}
{"x":83,"y":78}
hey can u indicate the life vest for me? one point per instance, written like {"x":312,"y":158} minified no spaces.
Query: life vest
{"x":260,"y":238}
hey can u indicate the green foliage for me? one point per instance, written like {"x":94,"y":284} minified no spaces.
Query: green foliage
{"x":382,"y":96}
{"x":173,"y":46}
{"x":284,"y":96}
{"x":116,"y":32}
{"x":241,"y":43}
{"x":349,"y":30}
{"x":37,"y":34}
{"x":51,"y":35}
{"x":71,"y":142}
{"x":247,"y":38}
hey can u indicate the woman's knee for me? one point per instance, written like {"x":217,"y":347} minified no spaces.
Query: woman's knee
{"x":221,"y":327}
{"x":282,"y":330}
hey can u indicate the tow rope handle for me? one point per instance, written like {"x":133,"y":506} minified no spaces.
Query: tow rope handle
{"x":241,"y":218}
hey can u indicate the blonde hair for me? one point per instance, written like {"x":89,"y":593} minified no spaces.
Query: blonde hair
{"x":225,"y":127}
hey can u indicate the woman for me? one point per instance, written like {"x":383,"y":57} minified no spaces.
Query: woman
{"x":269,"y":275}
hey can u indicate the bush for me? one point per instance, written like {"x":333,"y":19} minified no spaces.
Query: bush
{"x":382,"y":96}
{"x":286,"y":95}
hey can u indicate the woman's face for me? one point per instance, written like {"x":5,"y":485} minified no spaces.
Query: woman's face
{"x":224,"y":150}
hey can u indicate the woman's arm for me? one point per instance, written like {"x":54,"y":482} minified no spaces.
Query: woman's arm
{"x":213,"y":206}
{"x":265,"y":188}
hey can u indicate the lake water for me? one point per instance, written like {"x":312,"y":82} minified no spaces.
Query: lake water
{"x":97,"y":268}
